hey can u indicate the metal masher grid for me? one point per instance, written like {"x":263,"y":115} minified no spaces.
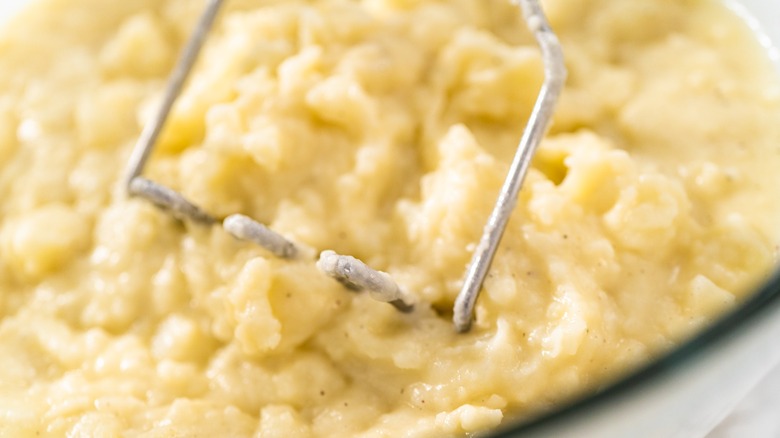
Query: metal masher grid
{"x":348,"y":270}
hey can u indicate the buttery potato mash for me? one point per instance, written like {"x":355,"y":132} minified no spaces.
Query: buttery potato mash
{"x":381,"y":129}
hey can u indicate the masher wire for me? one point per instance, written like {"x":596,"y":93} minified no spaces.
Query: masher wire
{"x":181,"y":72}
{"x":348,"y":270}
{"x":538,"y":122}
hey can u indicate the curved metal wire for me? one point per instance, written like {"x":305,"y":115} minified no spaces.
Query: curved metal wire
{"x":555,"y":77}
{"x":143,"y":149}
{"x":240,"y":227}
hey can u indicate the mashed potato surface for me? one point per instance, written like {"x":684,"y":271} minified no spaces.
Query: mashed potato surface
{"x":381,"y":129}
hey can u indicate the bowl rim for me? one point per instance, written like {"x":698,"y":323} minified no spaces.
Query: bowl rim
{"x":763,"y":302}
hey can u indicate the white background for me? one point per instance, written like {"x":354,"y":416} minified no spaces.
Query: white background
{"x":758,"y":415}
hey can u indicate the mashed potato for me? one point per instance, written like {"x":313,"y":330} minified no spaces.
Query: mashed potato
{"x":381,"y":129}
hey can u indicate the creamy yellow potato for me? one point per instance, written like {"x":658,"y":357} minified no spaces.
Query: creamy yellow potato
{"x":381,"y":129}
